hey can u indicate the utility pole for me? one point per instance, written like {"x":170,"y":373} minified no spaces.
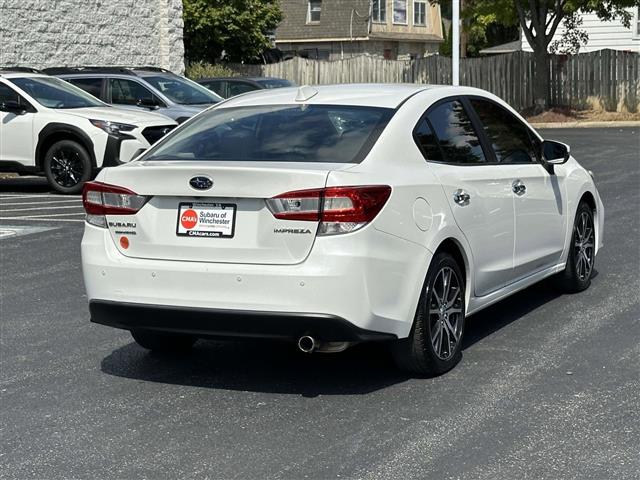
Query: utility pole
{"x":455,"y":44}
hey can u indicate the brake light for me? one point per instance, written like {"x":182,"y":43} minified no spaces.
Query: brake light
{"x":338,"y":209}
{"x":100,"y":199}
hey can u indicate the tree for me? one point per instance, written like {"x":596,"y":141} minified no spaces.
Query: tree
{"x":236,"y":30}
{"x":539,"y":20}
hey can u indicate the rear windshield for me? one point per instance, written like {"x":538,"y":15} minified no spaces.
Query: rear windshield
{"x":277,"y":133}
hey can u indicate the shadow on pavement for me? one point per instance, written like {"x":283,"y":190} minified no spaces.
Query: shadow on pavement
{"x":275,"y":367}
{"x":25,"y":185}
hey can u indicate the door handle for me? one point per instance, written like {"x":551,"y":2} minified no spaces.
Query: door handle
{"x":461,"y":197}
{"x":519,"y":188}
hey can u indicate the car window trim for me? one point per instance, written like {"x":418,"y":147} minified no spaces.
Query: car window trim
{"x":490,"y":146}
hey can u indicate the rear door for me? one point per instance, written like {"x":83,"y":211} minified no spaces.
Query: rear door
{"x":539,"y":199}
{"x":93,"y":85}
{"x":478,"y":190}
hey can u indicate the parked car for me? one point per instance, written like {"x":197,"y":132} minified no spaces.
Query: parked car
{"x":334,"y":215}
{"x":232,"y":86}
{"x":50,"y":127}
{"x":141,"y":88}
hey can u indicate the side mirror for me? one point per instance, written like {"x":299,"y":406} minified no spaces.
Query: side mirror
{"x":11,"y":106}
{"x":149,"y":103}
{"x":555,"y":153}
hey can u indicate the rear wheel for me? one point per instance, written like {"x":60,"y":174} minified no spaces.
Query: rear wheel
{"x":434,"y":344}
{"x":163,"y":342}
{"x":577,"y":273}
{"x":67,"y":166}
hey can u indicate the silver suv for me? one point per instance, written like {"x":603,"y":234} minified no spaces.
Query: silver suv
{"x":147,"y":88}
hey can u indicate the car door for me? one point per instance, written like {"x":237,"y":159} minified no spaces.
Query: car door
{"x":16,"y":129}
{"x":131,"y":94}
{"x":478,"y":190}
{"x":540,"y":217}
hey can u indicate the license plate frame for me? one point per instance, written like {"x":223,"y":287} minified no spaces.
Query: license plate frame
{"x":182,"y":227}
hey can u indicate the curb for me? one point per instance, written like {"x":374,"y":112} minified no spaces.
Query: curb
{"x":618,"y":124}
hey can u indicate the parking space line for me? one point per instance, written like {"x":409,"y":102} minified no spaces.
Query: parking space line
{"x":49,"y":215}
{"x":49,"y":202}
{"x":38,"y":195}
{"x":2,"y":210}
{"x":43,"y":219}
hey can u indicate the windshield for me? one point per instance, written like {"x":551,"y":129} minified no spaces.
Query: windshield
{"x":53,"y":92}
{"x":183,"y":91}
{"x":277,"y":133}
{"x":275,"y":83}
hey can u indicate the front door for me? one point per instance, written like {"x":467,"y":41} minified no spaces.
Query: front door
{"x":540,"y":219}
{"x":16,"y":130}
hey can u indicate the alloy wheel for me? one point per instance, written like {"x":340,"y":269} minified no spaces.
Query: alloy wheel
{"x":66,"y":167}
{"x":445,"y":313}
{"x":584,"y":241}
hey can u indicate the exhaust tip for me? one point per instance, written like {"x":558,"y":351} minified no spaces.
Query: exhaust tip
{"x":307,"y":344}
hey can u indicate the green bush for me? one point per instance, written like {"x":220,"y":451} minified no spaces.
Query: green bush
{"x":196,"y":70}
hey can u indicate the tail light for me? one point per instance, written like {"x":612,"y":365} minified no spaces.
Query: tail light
{"x":100,"y":199}
{"x":338,"y":209}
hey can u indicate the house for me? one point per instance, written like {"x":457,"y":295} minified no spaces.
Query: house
{"x":39,"y":34}
{"x":612,"y":35}
{"x":335,"y":29}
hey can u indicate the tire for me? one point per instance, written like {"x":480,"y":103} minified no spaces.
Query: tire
{"x":425,"y":351}
{"x":67,"y":166}
{"x":163,"y":342}
{"x":576,"y":276}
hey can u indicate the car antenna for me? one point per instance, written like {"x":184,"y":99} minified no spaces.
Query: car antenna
{"x":305,"y":92}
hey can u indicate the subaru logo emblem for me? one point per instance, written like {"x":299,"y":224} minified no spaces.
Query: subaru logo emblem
{"x":201,"y":183}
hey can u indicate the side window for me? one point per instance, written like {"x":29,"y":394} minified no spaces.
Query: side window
{"x":128,"y":92}
{"x":509,"y":137}
{"x":216,"y":86}
{"x":89,"y":85}
{"x":7,"y":94}
{"x":236,"y":88}
{"x":455,"y":133}
{"x":426,"y":140}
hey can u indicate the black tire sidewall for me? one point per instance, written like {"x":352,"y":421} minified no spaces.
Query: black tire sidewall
{"x":440,"y":261}
{"x":86,"y":164}
{"x":576,"y":284}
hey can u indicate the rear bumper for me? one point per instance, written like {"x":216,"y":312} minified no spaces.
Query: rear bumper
{"x":373,"y":286}
{"x":203,"y":322}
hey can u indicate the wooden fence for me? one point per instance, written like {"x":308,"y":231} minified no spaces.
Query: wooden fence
{"x":607,"y":79}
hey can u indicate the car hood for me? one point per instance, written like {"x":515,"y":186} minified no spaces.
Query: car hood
{"x":112,"y":114}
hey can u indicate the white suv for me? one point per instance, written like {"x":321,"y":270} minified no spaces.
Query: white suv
{"x":49,"y":126}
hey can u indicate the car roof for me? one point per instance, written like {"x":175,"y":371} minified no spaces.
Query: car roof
{"x":21,"y":74}
{"x":117,"y":70}
{"x":251,"y":79}
{"x":356,"y":94}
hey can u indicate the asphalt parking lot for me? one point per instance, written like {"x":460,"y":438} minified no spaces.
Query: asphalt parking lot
{"x":548,"y":388}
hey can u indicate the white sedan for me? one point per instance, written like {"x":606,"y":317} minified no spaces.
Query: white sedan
{"x":334,"y":215}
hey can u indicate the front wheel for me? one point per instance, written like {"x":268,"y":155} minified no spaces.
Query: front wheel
{"x":67,"y":166}
{"x":435,"y":342}
{"x":582,"y":252}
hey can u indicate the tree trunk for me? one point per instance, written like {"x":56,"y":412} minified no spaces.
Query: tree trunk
{"x":541,"y":87}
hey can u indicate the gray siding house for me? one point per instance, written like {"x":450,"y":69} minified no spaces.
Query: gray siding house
{"x":334,"y":29}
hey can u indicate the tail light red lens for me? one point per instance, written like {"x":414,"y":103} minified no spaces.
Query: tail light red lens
{"x":338,"y":209}
{"x":100,"y":199}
